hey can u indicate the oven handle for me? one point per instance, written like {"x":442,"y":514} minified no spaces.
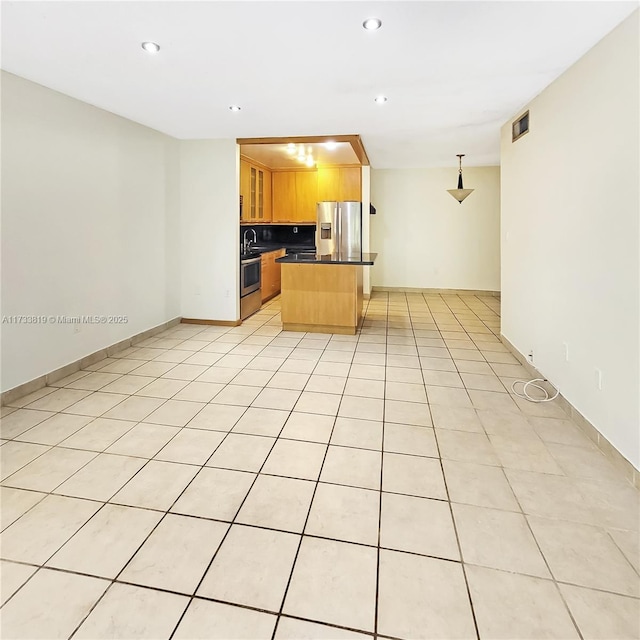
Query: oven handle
{"x":251,"y":261}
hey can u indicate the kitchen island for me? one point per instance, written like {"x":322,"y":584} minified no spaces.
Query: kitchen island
{"x":322,"y":293}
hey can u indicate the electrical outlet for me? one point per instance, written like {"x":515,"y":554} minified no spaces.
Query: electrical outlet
{"x":598,"y":378}
{"x":566,"y":351}
{"x":295,"y":229}
{"x":530,"y":356}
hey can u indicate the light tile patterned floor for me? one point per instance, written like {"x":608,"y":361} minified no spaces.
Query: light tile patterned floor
{"x":250,"y":483}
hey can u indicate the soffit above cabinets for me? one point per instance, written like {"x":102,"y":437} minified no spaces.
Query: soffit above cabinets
{"x":276,"y":156}
{"x":338,"y":150}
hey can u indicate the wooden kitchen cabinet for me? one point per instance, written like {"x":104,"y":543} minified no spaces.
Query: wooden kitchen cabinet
{"x":255,"y":189}
{"x":266,"y":210}
{"x":245,"y":176}
{"x":328,"y":183}
{"x":350,"y":184}
{"x":339,"y":183}
{"x":306,"y":196}
{"x":271,"y":280}
{"x":283,"y":196}
{"x":296,"y":193}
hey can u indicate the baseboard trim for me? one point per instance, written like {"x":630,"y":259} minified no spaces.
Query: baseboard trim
{"x":217,"y":323}
{"x":57,"y":374}
{"x":611,"y":453}
{"x":446,"y":292}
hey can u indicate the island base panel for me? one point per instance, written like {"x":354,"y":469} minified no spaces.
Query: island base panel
{"x":321,"y":298}
{"x":319,"y":328}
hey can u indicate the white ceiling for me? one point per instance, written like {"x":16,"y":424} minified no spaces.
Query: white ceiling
{"x":454,"y":72}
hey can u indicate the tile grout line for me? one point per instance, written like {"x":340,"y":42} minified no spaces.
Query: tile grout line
{"x":304,"y":526}
{"x":455,"y":529}
{"x":162,"y":518}
{"x":546,"y":563}
{"x":219,"y":546}
{"x":277,"y":438}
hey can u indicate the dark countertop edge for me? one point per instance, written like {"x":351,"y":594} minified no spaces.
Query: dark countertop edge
{"x":367,"y":260}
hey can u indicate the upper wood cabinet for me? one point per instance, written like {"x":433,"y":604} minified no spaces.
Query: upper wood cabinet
{"x":350,"y":184}
{"x":339,"y":183}
{"x":255,"y":189}
{"x":267,"y":194}
{"x":296,"y":193}
{"x":245,"y":188}
{"x":283,"y":196}
{"x":306,"y":196}
{"x":328,"y":183}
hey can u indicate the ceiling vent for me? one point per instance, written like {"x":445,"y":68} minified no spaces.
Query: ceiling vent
{"x":520,"y":126}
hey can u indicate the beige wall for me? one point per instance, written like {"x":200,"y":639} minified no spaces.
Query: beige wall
{"x":89,"y":227}
{"x":426,"y":239}
{"x":210,"y":229}
{"x":570,"y":245}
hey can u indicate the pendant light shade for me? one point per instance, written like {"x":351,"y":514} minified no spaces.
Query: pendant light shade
{"x":460,"y":193}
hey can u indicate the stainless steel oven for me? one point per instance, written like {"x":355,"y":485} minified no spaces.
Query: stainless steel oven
{"x":250,"y":273}
{"x":250,"y":281}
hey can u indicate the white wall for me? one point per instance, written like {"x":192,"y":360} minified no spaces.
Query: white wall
{"x":88,"y":227}
{"x":210,"y":228}
{"x":366,"y":225}
{"x":426,"y":239}
{"x":570,"y":224}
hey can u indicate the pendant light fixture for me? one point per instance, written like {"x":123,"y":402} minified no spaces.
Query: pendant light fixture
{"x":460,"y":193}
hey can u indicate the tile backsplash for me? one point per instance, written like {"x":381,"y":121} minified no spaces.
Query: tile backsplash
{"x":284,"y":234}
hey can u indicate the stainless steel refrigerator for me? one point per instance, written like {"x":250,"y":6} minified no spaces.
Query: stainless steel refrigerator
{"x":339,"y":229}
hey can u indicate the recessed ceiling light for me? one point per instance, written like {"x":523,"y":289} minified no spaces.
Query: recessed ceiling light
{"x":371,"y":24}
{"x":331,"y":146}
{"x":380,"y":99}
{"x":151,"y":47}
{"x":234,"y":107}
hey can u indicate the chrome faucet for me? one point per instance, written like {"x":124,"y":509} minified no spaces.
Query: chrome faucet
{"x":247,"y":243}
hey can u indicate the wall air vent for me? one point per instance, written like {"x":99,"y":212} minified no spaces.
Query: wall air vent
{"x":520,"y":126}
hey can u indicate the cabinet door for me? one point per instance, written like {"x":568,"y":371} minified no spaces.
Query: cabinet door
{"x":260,"y":195}
{"x":267,"y":196}
{"x":253,"y":188}
{"x":350,"y":184}
{"x":328,"y":184}
{"x":266,"y":281}
{"x":283,"y":196}
{"x":245,"y":190}
{"x":306,"y":195}
{"x":277,"y":271}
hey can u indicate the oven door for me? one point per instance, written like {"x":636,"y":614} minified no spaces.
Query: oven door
{"x":250,"y":276}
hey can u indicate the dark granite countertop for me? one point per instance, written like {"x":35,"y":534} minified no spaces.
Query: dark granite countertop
{"x":366,"y":259}
{"x":258,"y":249}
